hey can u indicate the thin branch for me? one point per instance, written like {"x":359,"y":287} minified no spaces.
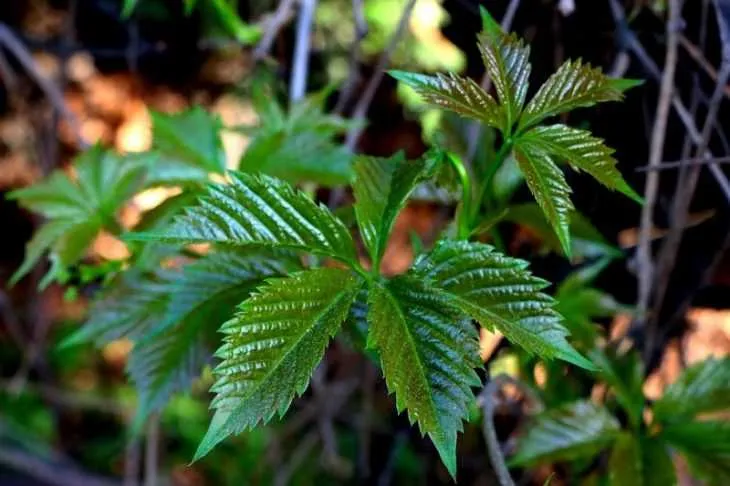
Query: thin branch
{"x":645,"y":265}
{"x":273,"y":26}
{"x":353,"y":76}
{"x":298,"y":84}
{"x":696,"y":54}
{"x":363,"y":104}
{"x":676,"y":164}
{"x":71,"y":400}
{"x":131,"y":463}
{"x":50,"y":473}
{"x":152,"y":451}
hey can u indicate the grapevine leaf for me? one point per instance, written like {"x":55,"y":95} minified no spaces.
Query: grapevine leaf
{"x":77,"y":209}
{"x":259,"y":211}
{"x":506,"y":58}
{"x":500,"y":293}
{"x":703,"y":387}
{"x":582,"y":151}
{"x":706,"y":446}
{"x":547,"y":184}
{"x":428,"y":351}
{"x":573,"y":85}
{"x":382,"y":187}
{"x":640,"y":461}
{"x":457,"y":94}
{"x":272,"y":347}
{"x":576,"y":430}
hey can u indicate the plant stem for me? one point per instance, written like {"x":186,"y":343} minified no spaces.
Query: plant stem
{"x":486,"y":186}
{"x":464,"y":217}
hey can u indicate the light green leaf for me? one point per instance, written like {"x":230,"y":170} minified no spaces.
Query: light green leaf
{"x":585,"y":240}
{"x":272,"y":347}
{"x":583,"y":152}
{"x":577,"y":430}
{"x":244,"y":33}
{"x":506,"y":58}
{"x":457,"y":94}
{"x":702,"y":388}
{"x":573,"y":85}
{"x":170,"y":354}
{"x":191,"y":136}
{"x":77,"y":209}
{"x":382,"y":187}
{"x":706,"y":446}
{"x":640,"y":461}
{"x":501,"y":294}
{"x":547,"y":184}
{"x":259,"y":211}
{"x":428,"y":351}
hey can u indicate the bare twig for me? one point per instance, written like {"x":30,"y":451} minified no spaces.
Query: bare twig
{"x":66,"y":399}
{"x":131,"y":463}
{"x":298,"y":84}
{"x":488,"y":401}
{"x":273,"y":26}
{"x":645,"y":265}
{"x":676,"y":164}
{"x":48,"y":472}
{"x":353,"y":76}
{"x":296,"y":459}
{"x":152,"y":451}
{"x":9,"y":41}
{"x":363,"y":104}
{"x":696,"y":54}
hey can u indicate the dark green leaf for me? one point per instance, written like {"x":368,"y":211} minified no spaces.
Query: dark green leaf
{"x":577,"y":430}
{"x":428,"y":351}
{"x":702,"y":388}
{"x":272,"y":347}
{"x":582,"y":151}
{"x":382,"y":187}
{"x":573,"y":85}
{"x":625,"y":375}
{"x":260,"y":211}
{"x":501,"y":294}
{"x":640,"y":461}
{"x":706,"y":446}
{"x":460,"y":95}
{"x":548,"y":186}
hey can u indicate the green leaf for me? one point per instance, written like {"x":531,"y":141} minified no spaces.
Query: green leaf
{"x":547,"y":184}
{"x":702,"y":388}
{"x":576,"y":430}
{"x":382,"y":187}
{"x":192,"y":137}
{"x":500,"y":293}
{"x":244,"y":33}
{"x":428,"y":351}
{"x":506,"y":59}
{"x":457,"y":94}
{"x":272,"y":347}
{"x":582,"y":151}
{"x":640,"y":461}
{"x":259,"y":211}
{"x":586,"y":241}
{"x":573,"y":85}
{"x":77,"y":209}
{"x":706,"y":446}
{"x":128,"y":7}
{"x":170,"y":355}
{"x":625,"y":375}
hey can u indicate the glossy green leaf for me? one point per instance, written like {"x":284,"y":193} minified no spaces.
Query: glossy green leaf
{"x":576,"y":430}
{"x":428,"y":351}
{"x":500,"y":293}
{"x":547,"y":184}
{"x":706,"y":446}
{"x":506,"y":59}
{"x":640,"y":461}
{"x":457,"y":94}
{"x":259,"y":211}
{"x":583,"y":152}
{"x":382,"y":187}
{"x":585,"y":240}
{"x":272,"y":347}
{"x":78,"y":208}
{"x":702,"y":388}
{"x":573,"y":85}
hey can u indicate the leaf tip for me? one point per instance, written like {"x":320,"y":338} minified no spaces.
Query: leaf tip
{"x":572,"y":356}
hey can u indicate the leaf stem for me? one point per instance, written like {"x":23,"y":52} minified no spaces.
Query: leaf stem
{"x":486,"y":186}
{"x":465,"y":211}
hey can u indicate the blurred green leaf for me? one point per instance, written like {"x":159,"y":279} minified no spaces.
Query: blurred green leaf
{"x":625,"y":375}
{"x":638,"y":461}
{"x":706,"y":446}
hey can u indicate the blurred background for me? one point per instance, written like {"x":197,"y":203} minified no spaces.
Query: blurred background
{"x":75,"y":73}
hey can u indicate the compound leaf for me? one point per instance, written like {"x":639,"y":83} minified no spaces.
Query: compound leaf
{"x":582,"y":151}
{"x":428,"y":350}
{"x":573,"y":85}
{"x":259,"y":211}
{"x":272,"y":347}
{"x":452,"y":92}
{"x":576,"y":430}
{"x":547,"y":184}
{"x":500,"y":293}
{"x":706,"y":446}
{"x":703,"y":387}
